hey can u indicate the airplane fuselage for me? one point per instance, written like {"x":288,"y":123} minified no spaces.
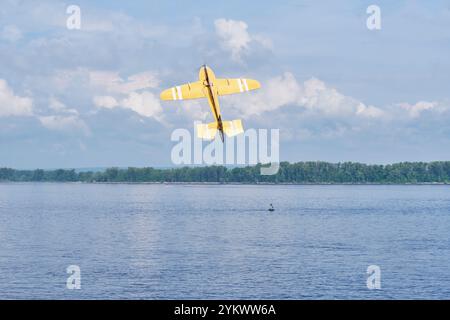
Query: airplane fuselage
{"x":207,"y":77}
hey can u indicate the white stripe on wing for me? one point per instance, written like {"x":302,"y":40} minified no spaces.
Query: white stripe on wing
{"x":180,"y":95}
{"x":174,"y":96}
{"x":245,"y":84}
{"x":240,"y":85}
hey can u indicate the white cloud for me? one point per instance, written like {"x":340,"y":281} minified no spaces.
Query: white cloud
{"x":236,"y":39}
{"x":127,"y":94}
{"x":194,"y":110}
{"x":63,"y":119}
{"x":234,"y":36}
{"x":64,"y":123}
{"x":414,"y":110}
{"x":317,"y":96}
{"x":56,"y":105}
{"x":369,"y":111}
{"x":312,"y":96}
{"x":105,"y":102}
{"x":275,"y":93}
{"x":59,"y":107}
{"x":145,"y":103}
{"x":12,"y":105}
{"x":113,"y":83}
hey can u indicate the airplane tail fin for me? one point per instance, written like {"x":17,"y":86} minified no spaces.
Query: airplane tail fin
{"x":207,"y":131}
{"x":232,"y":128}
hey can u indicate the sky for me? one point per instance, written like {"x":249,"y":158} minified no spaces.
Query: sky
{"x":336,"y":90}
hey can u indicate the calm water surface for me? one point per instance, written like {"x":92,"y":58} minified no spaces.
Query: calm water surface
{"x":213,"y":242}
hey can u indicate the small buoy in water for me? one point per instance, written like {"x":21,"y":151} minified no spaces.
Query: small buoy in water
{"x":271,"y":208}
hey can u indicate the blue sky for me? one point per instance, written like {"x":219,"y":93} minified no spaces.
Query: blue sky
{"x":336,"y":90}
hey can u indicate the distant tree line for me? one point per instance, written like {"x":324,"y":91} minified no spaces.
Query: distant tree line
{"x":301,"y":172}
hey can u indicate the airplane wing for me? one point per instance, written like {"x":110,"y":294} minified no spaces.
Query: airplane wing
{"x":230,"y":86}
{"x":193,"y":90}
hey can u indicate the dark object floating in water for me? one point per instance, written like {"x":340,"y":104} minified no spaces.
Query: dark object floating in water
{"x":271,"y":208}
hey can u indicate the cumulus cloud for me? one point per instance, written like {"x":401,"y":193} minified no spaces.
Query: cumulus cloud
{"x":145,"y":103}
{"x":415,"y":110}
{"x":64,"y":123}
{"x":236,"y":39}
{"x":317,"y":96}
{"x":113,"y":83}
{"x":312,"y":96}
{"x":107,"y":102}
{"x":56,"y":105}
{"x":197,"y":110}
{"x":63,"y":118}
{"x":59,"y":107}
{"x":12,"y":105}
{"x":128,"y":93}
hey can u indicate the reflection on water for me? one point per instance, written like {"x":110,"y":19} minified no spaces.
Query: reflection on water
{"x":208,"y":241}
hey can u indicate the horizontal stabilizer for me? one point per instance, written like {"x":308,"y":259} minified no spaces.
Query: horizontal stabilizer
{"x":207,"y":131}
{"x":232,"y":128}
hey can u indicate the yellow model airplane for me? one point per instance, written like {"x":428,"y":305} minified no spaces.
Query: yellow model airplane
{"x":208,"y":86}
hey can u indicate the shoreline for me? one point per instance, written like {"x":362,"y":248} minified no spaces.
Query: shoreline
{"x":237,"y":183}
